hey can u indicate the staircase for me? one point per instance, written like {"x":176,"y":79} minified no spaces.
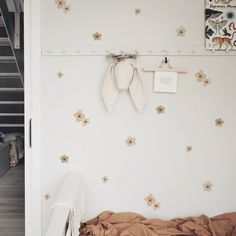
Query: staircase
{"x":11,"y":70}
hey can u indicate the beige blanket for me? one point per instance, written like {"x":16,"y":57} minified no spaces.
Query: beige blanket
{"x":131,"y":224}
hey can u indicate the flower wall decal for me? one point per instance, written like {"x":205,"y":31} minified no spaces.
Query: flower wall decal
{"x":85,"y":121}
{"x":80,"y":117}
{"x":200,"y":75}
{"x":60,"y":74}
{"x":181,"y":31}
{"x":156,"y":205}
{"x":46,"y":196}
{"x":137,"y":11}
{"x":97,"y":36}
{"x":64,"y":159}
{"x":151,"y":201}
{"x":207,"y":186}
{"x":130,"y":141}
{"x":160,"y":109}
{"x":189,"y":149}
{"x":105,"y":179}
{"x":202,"y":78}
{"x":219,"y":122}
{"x":66,"y":8}
{"x":206,"y":82}
{"x":61,"y":4}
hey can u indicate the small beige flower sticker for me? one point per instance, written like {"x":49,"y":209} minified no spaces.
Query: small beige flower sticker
{"x":85,"y":121}
{"x":46,"y":196}
{"x":219,"y":122}
{"x":105,"y":179}
{"x":200,"y":76}
{"x":80,"y":116}
{"x":181,"y":31}
{"x":60,"y":74}
{"x":97,"y":36}
{"x":150,"y":200}
{"x":160,"y":109}
{"x":64,"y":159}
{"x":189,"y":149}
{"x":137,"y":11}
{"x":207,"y":186}
{"x":60,"y":3}
{"x":156,"y":205}
{"x":66,"y":8}
{"x":206,"y":82}
{"x":130,"y":141}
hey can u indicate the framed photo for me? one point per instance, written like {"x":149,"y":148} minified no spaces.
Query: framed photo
{"x":220,"y":28}
{"x":165,"y":82}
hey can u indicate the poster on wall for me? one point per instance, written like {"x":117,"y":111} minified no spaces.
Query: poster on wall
{"x":220,"y":28}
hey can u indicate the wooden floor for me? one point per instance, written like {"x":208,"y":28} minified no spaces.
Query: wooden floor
{"x":12,"y":202}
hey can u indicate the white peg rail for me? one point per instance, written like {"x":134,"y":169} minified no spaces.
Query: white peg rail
{"x":140,"y":50}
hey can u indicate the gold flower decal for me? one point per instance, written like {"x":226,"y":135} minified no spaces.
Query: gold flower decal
{"x":105,"y":179}
{"x":138,"y":11}
{"x":60,"y":74}
{"x":207,"y":186}
{"x":66,"y":8}
{"x":130,"y":141}
{"x":60,"y":3}
{"x":160,"y":109}
{"x":200,"y":75}
{"x":206,"y":82}
{"x":46,"y":196}
{"x":80,"y":116}
{"x":219,"y":122}
{"x":64,"y":159}
{"x":189,"y":149}
{"x":85,"y":121}
{"x":150,"y":200}
{"x":97,"y":36}
{"x":181,"y":31}
{"x":156,"y":205}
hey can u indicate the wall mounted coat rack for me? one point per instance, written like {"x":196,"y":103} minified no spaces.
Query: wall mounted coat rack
{"x":143,"y":50}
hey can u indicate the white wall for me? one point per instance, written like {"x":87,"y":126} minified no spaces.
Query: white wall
{"x":158,"y":164}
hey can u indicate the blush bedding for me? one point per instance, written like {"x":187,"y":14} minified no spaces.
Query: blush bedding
{"x":131,"y":224}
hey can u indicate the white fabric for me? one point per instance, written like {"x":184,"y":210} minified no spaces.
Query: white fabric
{"x":109,"y":90}
{"x":123,"y":75}
{"x":70,"y":203}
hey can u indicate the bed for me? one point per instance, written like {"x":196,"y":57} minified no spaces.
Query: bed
{"x":67,"y":212}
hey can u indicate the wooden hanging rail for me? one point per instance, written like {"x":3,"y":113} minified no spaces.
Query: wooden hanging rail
{"x":160,"y":69}
{"x":166,"y":68}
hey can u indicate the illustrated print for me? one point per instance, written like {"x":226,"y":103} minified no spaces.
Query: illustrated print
{"x":223,"y":41}
{"x":220,"y":28}
{"x":217,"y":26}
{"x":223,"y":1}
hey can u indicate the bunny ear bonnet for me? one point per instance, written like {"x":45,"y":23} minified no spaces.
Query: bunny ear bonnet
{"x":123,"y":75}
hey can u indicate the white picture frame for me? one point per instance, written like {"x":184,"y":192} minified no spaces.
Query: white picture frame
{"x":165,"y":82}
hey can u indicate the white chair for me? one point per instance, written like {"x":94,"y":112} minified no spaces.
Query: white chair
{"x":67,"y":210}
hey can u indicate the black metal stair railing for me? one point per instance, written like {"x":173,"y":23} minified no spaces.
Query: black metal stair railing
{"x":11,"y":73}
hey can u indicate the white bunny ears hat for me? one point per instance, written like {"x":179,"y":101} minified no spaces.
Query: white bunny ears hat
{"x":123,"y":75}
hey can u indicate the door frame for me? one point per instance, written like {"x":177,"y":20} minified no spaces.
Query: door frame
{"x":32,"y":59}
